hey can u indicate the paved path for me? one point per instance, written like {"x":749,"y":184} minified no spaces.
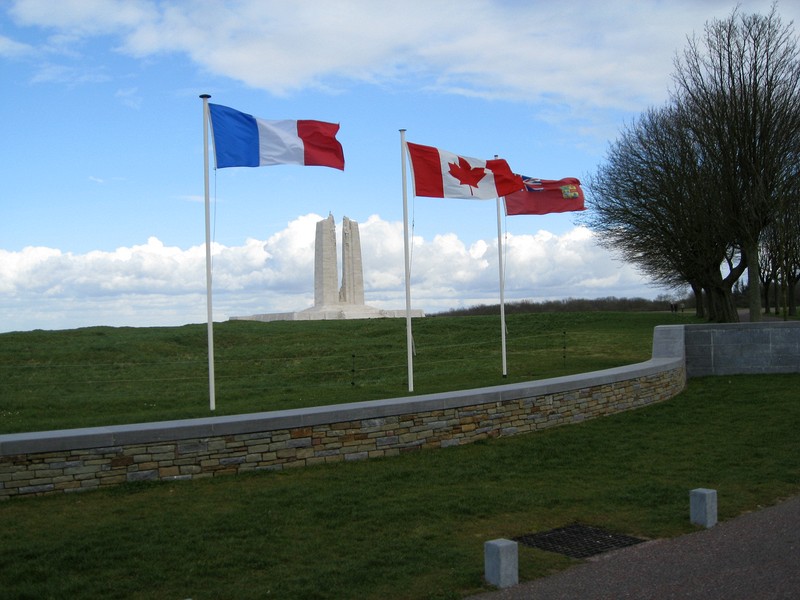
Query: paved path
{"x":755,"y":556}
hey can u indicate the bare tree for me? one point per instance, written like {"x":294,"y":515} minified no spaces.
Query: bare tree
{"x":652,"y":202}
{"x":785,"y":251}
{"x":740,"y":89}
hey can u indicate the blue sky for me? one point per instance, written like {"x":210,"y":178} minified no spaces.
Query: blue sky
{"x":102,"y":146}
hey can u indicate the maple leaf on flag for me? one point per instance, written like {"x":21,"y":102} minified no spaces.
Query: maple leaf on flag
{"x":466,"y":173}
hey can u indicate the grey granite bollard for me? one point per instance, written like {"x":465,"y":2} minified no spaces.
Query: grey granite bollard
{"x":501,"y":563}
{"x":703,"y":507}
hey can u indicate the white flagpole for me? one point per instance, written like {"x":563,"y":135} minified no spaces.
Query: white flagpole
{"x":211,"y":395}
{"x":409,"y":336}
{"x":502,"y":287}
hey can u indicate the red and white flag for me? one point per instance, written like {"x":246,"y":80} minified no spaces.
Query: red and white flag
{"x":442,"y":174}
{"x":545,"y":196}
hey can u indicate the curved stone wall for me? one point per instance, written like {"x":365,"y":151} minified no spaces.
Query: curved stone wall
{"x":81,"y":459}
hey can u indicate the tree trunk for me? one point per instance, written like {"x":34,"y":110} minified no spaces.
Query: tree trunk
{"x":711,"y":307}
{"x":699,"y":307}
{"x":753,"y":288}
{"x":776,"y":300}
{"x":721,"y":306}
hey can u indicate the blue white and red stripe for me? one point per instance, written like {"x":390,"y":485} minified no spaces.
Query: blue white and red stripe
{"x":242,"y":140}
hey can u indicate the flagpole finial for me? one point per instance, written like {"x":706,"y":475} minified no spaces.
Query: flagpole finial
{"x":204,"y":96}
{"x":403,"y":130}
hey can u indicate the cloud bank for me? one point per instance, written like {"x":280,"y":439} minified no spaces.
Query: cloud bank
{"x":156,"y":284}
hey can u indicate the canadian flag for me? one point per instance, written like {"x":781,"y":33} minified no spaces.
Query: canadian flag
{"x":442,"y":174}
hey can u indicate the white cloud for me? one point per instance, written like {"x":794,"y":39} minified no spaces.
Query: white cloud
{"x":157,"y":284}
{"x":129,"y":97}
{"x":12,"y":49}
{"x":58,"y":73}
{"x":85,"y":17}
{"x":581,"y":56}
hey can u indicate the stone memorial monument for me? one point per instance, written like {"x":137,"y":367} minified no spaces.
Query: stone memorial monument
{"x":352,"y":290}
{"x":330,"y":300}
{"x":326,"y":292}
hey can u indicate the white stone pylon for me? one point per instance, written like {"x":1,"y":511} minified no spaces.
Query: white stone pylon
{"x":325,"y":269}
{"x":352,"y":290}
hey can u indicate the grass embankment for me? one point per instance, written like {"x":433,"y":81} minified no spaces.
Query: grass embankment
{"x":103,"y":376}
{"x":411,"y":526}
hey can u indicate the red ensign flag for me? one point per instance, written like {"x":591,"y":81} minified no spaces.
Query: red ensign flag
{"x":544,"y":196}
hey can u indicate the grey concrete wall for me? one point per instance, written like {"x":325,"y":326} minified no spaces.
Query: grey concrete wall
{"x":744,"y":348}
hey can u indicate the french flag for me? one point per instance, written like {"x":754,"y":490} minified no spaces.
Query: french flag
{"x":242,"y":140}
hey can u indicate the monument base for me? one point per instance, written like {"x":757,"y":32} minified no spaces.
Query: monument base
{"x":332,"y":312}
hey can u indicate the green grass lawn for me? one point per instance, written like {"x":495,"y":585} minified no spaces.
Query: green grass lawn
{"x":412,"y":526}
{"x":103,"y":375}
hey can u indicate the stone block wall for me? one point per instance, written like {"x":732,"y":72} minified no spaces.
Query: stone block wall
{"x":82,"y":459}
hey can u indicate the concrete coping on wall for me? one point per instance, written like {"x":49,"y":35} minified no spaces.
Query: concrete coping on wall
{"x":668,"y":354}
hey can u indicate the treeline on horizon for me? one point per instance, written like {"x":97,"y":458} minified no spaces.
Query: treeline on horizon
{"x":662,"y":302}
{"x":610,"y":303}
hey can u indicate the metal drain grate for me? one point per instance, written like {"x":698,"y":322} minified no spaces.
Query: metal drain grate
{"x":578,"y":541}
